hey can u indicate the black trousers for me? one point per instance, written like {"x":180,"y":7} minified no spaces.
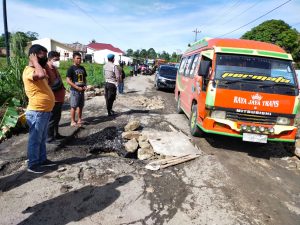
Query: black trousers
{"x":54,"y":120}
{"x":110,"y":92}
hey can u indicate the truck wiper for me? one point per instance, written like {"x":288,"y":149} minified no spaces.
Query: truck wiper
{"x":277,"y":84}
{"x":241,"y":80}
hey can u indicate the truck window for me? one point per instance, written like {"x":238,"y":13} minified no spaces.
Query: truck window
{"x":182,"y":65}
{"x":254,"y":69}
{"x":194,"y":65}
{"x":188,"y":66}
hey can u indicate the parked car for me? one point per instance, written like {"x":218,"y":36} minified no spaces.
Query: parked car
{"x":165,"y":77}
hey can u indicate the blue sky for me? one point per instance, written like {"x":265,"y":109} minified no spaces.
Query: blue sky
{"x":137,"y":24}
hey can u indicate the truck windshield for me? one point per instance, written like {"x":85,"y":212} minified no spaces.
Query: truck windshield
{"x":254,"y":69}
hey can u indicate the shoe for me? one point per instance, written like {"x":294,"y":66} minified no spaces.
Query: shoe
{"x":35,"y":169}
{"x":48,"y":162}
{"x":50,"y":139}
{"x":59,"y":136}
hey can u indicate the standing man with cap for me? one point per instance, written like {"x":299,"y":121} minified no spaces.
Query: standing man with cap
{"x":112,"y":78}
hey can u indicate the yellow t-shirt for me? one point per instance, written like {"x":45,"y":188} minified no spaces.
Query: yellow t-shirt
{"x":40,"y":95}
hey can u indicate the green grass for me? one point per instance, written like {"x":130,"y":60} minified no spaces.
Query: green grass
{"x":93,"y":70}
{"x":2,"y":62}
{"x":94,"y":73}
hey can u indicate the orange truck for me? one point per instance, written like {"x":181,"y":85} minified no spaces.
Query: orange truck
{"x":239,"y":88}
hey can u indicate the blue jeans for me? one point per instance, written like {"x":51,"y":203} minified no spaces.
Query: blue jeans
{"x":38,"y":130}
{"x":121,"y":87}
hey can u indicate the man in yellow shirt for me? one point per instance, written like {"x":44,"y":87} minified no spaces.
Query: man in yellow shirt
{"x":41,"y":101}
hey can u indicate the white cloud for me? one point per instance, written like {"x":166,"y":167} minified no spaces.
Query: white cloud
{"x":163,"y":25}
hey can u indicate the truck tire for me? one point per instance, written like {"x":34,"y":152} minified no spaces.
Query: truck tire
{"x":178,"y":108}
{"x":194,"y":129}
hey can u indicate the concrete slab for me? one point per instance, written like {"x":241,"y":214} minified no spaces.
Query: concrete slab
{"x":171,"y":143}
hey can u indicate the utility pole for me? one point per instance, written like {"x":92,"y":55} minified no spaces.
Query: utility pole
{"x":196,"y":33}
{"x":6,"y":31}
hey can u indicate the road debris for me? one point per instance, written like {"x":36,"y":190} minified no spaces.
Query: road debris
{"x":132,"y":125}
{"x":164,"y":163}
{"x":171,"y":143}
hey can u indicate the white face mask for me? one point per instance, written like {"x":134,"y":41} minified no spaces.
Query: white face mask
{"x":55,"y":64}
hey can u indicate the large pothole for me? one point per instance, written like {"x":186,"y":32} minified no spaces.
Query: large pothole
{"x":108,"y":140}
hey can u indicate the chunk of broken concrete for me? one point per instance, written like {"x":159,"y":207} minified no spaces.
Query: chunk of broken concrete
{"x":132,"y":125}
{"x":144,"y":144}
{"x":131,"y":145}
{"x":143,"y":137}
{"x":145,"y":153}
{"x":131,"y":134}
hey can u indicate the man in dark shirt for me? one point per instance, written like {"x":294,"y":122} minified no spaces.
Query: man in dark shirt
{"x":76,"y":78}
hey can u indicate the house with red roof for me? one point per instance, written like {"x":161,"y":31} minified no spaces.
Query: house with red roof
{"x":99,"y":52}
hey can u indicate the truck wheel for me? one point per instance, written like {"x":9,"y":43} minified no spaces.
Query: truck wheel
{"x":290,"y":147}
{"x":194,"y":129}
{"x":178,"y":109}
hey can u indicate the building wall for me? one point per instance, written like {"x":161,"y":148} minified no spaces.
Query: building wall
{"x":65,"y":53}
{"x":46,"y":42}
{"x":51,"y":45}
{"x":100,"y":56}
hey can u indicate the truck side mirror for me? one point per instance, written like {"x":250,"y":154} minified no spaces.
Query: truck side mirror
{"x":204,"y":67}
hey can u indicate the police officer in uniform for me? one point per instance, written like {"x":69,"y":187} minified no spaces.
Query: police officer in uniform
{"x":112,"y":78}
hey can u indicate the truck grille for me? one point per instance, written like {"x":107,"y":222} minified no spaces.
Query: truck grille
{"x":243,"y":117}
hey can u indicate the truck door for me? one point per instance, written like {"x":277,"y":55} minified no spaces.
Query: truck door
{"x":192,"y":84}
{"x":182,"y":83}
{"x":203,"y":76}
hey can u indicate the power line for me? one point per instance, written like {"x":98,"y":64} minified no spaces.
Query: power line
{"x":250,"y":7}
{"x":256,"y":18}
{"x":222,"y":13}
{"x":82,"y":10}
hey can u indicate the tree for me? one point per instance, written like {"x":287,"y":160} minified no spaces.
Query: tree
{"x":174,"y":57}
{"x":143,"y":53}
{"x":93,"y":41}
{"x":165,"y":55}
{"x":151,"y":53}
{"x":23,"y":38}
{"x":136,"y":54}
{"x":277,"y":32}
{"x":129,"y":52}
{"x":32,"y":35}
{"x":2,"y":39}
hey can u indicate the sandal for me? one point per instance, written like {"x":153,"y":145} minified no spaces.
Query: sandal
{"x":82,"y":122}
{"x":73,"y":124}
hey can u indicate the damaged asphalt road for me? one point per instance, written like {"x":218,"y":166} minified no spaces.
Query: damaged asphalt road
{"x":98,"y":182}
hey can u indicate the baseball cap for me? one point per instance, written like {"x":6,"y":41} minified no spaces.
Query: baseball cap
{"x":110,"y":56}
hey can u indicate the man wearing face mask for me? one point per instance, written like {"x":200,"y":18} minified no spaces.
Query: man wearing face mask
{"x":41,"y":102}
{"x":59,"y":92}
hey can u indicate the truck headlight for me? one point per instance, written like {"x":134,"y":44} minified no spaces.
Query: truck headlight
{"x":283,"y":120}
{"x":218,"y":114}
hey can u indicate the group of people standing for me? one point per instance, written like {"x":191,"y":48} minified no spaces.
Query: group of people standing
{"x":46,"y":92}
